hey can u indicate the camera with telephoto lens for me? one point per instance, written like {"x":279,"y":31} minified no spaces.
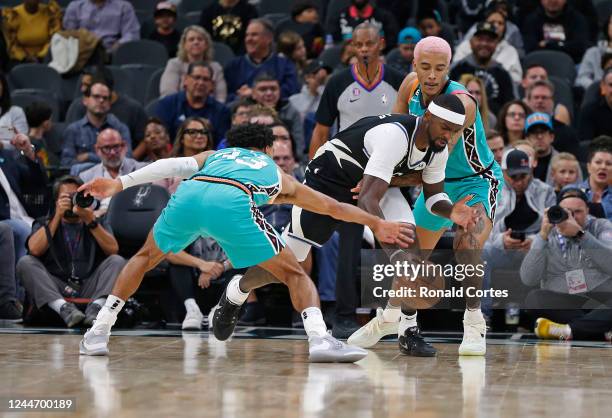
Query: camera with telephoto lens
{"x":556,"y":214}
{"x":79,"y":199}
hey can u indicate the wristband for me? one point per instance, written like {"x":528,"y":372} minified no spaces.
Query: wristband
{"x":432,"y":200}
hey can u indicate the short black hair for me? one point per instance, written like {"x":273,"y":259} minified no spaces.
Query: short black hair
{"x":450,"y":102}
{"x":95,"y":81}
{"x":264,"y":76}
{"x":244,"y":102}
{"x":249,"y":135}
{"x":602,"y":143}
{"x":65,"y":180}
{"x":192,"y":66}
{"x":37,"y":113}
{"x":302,"y":5}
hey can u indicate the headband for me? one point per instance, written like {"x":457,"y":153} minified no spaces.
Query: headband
{"x":446,"y":114}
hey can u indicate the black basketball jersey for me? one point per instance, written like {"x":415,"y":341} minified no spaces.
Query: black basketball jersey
{"x":340,"y":163}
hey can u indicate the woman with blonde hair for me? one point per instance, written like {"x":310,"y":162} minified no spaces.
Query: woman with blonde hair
{"x":476,"y":88}
{"x":195,"y":45}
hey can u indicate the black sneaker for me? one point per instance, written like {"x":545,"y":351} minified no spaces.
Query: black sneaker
{"x":344,"y":327}
{"x":225,"y":318}
{"x":71,"y":315}
{"x":412,"y":343}
{"x":10,"y":312}
{"x":253,"y":314}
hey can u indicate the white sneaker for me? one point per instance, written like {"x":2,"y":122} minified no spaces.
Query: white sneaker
{"x":474,"y":342}
{"x":327,"y":349}
{"x":193,"y":320}
{"x":373,"y":331}
{"x":95,"y":341}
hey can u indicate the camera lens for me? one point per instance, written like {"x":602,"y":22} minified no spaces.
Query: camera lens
{"x":556,"y":214}
{"x":82,"y":201}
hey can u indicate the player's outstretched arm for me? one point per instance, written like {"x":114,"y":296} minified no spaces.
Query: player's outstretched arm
{"x":401,"y":102}
{"x":303,"y":196}
{"x":438,"y":203}
{"x":183,"y":167}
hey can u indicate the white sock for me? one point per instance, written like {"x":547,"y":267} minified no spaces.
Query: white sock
{"x":191,"y":305}
{"x":392,"y":313}
{"x":407,"y":321}
{"x":57,"y":304}
{"x":110,"y":310}
{"x":233,"y":292}
{"x":100,"y":301}
{"x":313,"y":322}
{"x":473,"y":315}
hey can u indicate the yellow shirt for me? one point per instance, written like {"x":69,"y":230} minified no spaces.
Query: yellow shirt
{"x":29,"y":35}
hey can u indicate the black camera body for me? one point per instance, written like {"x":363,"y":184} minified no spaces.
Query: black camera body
{"x":79,"y":199}
{"x":556,"y":214}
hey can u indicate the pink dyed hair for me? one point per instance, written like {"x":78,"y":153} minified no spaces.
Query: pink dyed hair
{"x":432,"y":44}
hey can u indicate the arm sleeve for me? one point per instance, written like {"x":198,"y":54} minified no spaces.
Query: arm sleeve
{"x":599,"y":248}
{"x":327,"y":112}
{"x":533,"y":267}
{"x":387,"y":145}
{"x":183,"y":167}
{"x":70,"y":17}
{"x":220,"y":84}
{"x":434,"y":172}
{"x":130,"y":28}
{"x":170,"y":79}
{"x":589,"y":65}
{"x":19,"y":120}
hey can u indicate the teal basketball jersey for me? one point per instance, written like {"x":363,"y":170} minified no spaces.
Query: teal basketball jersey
{"x":471,"y":154}
{"x":254,"y":169}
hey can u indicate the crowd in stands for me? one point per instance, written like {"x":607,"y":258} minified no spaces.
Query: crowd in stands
{"x":138,"y":85}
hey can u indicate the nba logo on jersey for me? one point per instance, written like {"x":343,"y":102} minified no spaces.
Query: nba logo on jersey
{"x":384,"y":99}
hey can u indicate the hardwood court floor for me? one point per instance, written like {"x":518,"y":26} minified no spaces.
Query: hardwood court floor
{"x":174,"y":375}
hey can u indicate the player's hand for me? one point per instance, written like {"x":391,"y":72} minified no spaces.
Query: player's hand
{"x":394,"y":233}
{"x":101,"y":187}
{"x":356,"y":190}
{"x":463,"y":215}
{"x":211,"y":268}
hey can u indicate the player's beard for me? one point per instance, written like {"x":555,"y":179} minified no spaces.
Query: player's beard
{"x":434,"y":147}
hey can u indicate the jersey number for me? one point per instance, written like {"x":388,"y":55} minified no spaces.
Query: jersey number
{"x":253,"y":163}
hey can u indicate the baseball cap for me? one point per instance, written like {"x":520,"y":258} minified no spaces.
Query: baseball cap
{"x":516,"y":161}
{"x":485,"y":27}
{"x":409,"y":35}
{"x":164,"y":7}
{"x":538,"y":118}
{"x":572,"y":191}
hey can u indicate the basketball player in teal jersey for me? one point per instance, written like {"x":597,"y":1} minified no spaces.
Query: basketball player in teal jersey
{"x":470,"y":170}
{"x":220,"y":200}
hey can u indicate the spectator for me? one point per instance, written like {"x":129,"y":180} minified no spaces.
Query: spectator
{"x":305,"y":22}
{"x":481,"y":63}
{"x":195,"y":46}
{"x":596,"y":118}
{"x":39,"y":115}
{"x":342,"y":25}
{"x":115,"y":21}
{"x":539,"y":97}
{"x":165,"y":27}
{"x":505,"y":54}
{"x":496,"y":143}
{"x":496,"y":14}
{"x":12,"y":118}
{"x":592,"y":65}
{"x":70,"y":255}
{"x":259,"y":57}
{"x":535,"y":73}
{"x":406,"y":42}
{"x":192,"y":138}
{"x":240,"y":114}
{"x":19,"y":173}
{"x":475,"y":86}
{"x":291,"y":46}
{"x":511,"y":121}
{"x":565,"y":170}
{"x":315,"y":78}
{"x":570,"y":264}
{"x":29,"y":28}
{"x":556,"y":25}
{"x":598,"y":186}
{"x":430,"y":23}
{"x":266,"y":92}
{"x":129,"y":111}
{"x":80,"y":136}
{"x":348,"y":56}
{"x":196,"y":100}
{"x":227,"y":20}
{"x":528,"y":149}
{"x":112,"y":151}
{"x":156,"y":141}
{"x":9,"y":307}
{"x":539,"y":131}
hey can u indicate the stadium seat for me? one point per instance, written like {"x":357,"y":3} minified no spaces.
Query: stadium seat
{"x":140,"y":74}
{"x":143,"y":16}
{"x":192,"y":18}
{"x":563,"y":94}
{"x":122,"y":81}
{"x":152,"y":92}
{"x":331,"y":57}
{"x":275,"y":6}
{"x":36,"y":76}
{"x":24,"y":97}
{"x":143,"y":51}
{"x":132,"y":213}
{"x":144,"y":5}
{"x":150,"y":108}
{"x":276,"y":18}
{"x":557,"y":64}
{"x":187,"y":6}
{"x":604,"y":8}
{"x":223,"y":53}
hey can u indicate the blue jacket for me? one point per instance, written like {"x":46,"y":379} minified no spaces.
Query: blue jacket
{"x":21,"y":173}
{"x":174,"y":109}
{"x":241,"y":70}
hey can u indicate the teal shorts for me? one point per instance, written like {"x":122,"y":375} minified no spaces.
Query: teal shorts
{"x":222,"y":212}
{"x":485,"y":188}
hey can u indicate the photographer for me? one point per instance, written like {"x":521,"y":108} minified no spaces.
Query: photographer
{"x":71,"y":255}
{"x":570,"y":262}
